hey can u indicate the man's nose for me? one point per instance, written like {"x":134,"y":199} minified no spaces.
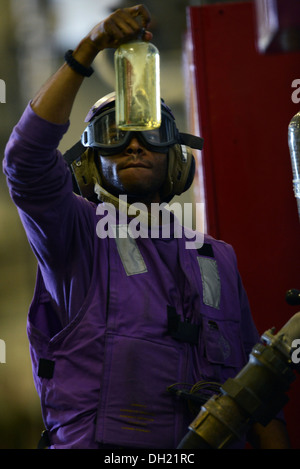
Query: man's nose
{"x":134,"y":147}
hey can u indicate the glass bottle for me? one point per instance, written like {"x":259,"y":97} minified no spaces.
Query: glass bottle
{"x":137,"y":70}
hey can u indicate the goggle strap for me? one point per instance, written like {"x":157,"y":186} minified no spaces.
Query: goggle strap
{"x":78,"y":149}
{"x":74,"y":153}
{"x":191,"y":141}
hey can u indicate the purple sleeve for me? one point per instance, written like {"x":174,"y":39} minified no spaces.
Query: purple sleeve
{"x":31,"y":164}
{"x":56,"y":221}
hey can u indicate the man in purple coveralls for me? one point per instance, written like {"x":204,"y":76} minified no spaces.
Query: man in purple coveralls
{"x":115,"y":321}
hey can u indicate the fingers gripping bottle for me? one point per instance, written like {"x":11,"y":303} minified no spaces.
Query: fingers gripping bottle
{"x":137,"y":69}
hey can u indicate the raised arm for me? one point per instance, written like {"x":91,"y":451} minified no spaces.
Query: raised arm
{"x":55,"y":99}
{"x":39,"y":181}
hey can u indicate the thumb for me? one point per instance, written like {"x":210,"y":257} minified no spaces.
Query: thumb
{"x":147,"y":36}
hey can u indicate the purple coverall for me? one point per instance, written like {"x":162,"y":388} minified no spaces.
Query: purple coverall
{"x":102,"y":352}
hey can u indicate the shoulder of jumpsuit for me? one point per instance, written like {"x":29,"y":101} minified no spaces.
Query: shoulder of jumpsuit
{"x":33,"y":131}
{"x":222,"y":253}
{"x":220,"y":247}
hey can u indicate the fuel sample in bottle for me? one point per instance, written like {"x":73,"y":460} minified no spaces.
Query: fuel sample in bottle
{"x":137,"y":69}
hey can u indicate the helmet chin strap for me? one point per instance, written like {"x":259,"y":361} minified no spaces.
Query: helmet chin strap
{"x":123,"y":206}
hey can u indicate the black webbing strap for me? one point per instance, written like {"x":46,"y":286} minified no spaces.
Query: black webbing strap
{"x":181,"y":330}
{"x":44,"y":441}
{"x":74,"y":153}
{"x":191,"y":140}
{"x":46,"y":368}
{"x":206,"y":250}
{"x":71,"y":155}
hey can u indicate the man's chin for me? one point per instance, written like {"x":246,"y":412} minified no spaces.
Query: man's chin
{"x":140,"y":196}
{"x":135,"y":192}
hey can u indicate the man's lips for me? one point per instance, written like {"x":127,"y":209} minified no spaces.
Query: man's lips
{"x":135,"y":165}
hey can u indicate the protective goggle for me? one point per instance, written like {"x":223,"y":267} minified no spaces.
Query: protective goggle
{"x":103,"y":133}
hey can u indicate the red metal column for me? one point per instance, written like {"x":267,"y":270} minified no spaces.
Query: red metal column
{"x":244,"y":102}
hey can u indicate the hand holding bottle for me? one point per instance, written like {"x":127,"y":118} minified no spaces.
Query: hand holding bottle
{"x":121,"y":26}
{"x":55,"y":99}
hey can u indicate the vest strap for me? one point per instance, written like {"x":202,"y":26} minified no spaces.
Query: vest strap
{"x":44,"y":441}
{"x":180,"y":330}
{"x":46,"y":368}
{"x":206,"y":250}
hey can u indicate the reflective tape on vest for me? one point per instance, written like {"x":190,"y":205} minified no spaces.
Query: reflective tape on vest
{"x":210,"y":281}
{"x":129,"y":252}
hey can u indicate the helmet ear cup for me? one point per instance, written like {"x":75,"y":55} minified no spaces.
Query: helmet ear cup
{"x":181,"y":171}
{"x":85,"y":174}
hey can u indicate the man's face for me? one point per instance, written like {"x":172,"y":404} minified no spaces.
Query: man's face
{"x":135,"y":171}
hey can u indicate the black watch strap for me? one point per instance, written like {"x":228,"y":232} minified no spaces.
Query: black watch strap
{"x":76,"y":66}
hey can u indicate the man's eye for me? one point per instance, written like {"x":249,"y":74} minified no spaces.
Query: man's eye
{"x":153,"y":135}
{"x":113,"y":138}
{"x":116,"y":136}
